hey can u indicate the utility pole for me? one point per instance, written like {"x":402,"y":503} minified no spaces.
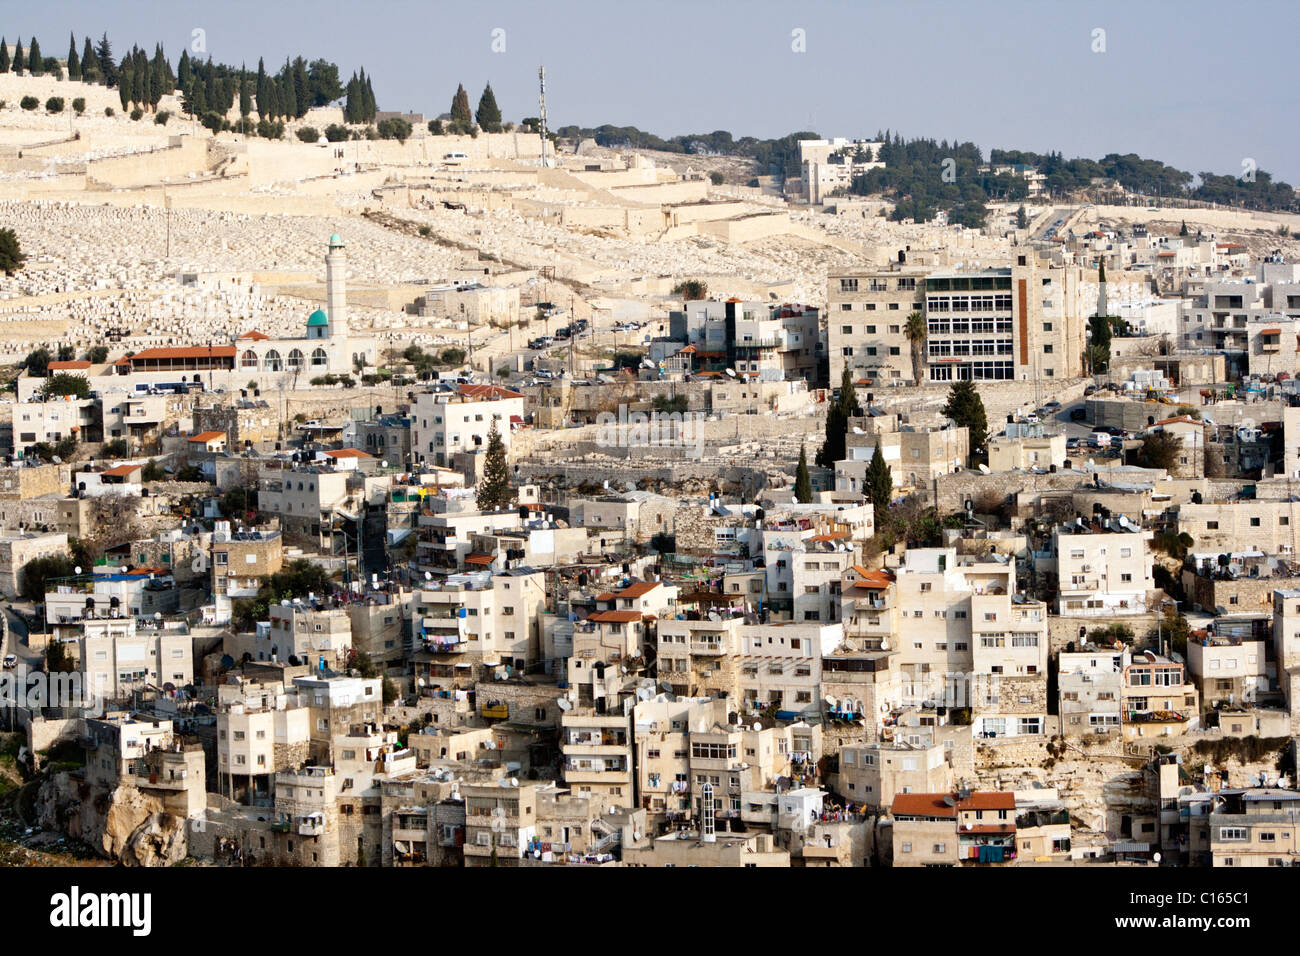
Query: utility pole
{"x":571,"y":336}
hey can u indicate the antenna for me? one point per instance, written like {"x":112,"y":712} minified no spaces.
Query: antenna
{"x":541,"y":108}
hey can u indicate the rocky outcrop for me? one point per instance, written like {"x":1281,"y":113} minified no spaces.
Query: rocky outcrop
{"x":123,"y":824}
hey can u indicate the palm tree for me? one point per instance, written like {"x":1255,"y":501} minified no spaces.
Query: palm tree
{"x":915,"y":331}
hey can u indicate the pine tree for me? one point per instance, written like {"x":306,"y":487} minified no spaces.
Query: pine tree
{"x":489,"y":114}
{"x":90,"y":71}
{"x":802,"y":480}
{"x":19,"y":63}
{"x":966,"y":408}
{"x":879,"y":486}
{"x":11,"y":253}
{"x":35,"y":62}
{"x":159,"y":77}
{"x":104,"y":57}
{"x":1183,"y":230}
{"x":4,"y":56}
{"x":184,"y":70}
{"x":494,"y":485}
{"x":245,"y":101}
{"x":460,"y":115}
{"x":1022,"y":218}
{"x":74,"y":63}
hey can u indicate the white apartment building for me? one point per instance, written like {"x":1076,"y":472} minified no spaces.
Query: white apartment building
{"x":447,"y":423}
{"x":1102,"y":569}
{"x":1089,"y":682}
{"x":116,"y":659}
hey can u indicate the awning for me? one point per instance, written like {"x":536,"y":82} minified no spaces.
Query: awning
{"x":475,"y":558}
{"x":1270,"y":331}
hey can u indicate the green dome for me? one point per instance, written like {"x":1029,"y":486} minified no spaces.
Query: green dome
{"x":318,"y":318}
{"x":336,"y":240}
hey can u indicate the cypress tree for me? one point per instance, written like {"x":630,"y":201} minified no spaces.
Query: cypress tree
{"x":212,"y":91}
{"x":879,"y":486}
{"x":353,"y":103}
{"x":494,"y":485}
{"x":245,"y":101}
{"x":4,"y":56}
{"x":159,"y":81}
{"x":301,"y":88}
{"x":262,"y":90}
{"x":35,"y":62}
{"x":460,"y":115}
{"x":74,"y":64}
{"x":837,"y":421}
{"x":19,"y":62}
{"x":184,"y":70}
{"x":802,"y":480}
{"x":371,"y":107}
{"x":142,"y":91}
{"x":489,"y":114}
{"x":125,"y":83}
{"x":289,"y":98}
{"x":90,"y":70}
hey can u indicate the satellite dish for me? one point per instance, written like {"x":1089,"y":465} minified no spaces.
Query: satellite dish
{"x":884,"y":643}
{"x":757,"y":725}
{"x":644,"y":693}
{"x":77,"y":569}
{"x":563,"y":703}
{"x":428,"y":575}
{"x":383,"y":464}
{"x":514,"y":781}
{"x":419,"y":682}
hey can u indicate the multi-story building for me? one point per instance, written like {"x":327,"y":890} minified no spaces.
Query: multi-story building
{"x":116,"y":659}
{"x":1156,"y":699}
{"x":1023,"y":322}
{"x":500,"y":822}
{"x":1255,"y":828}
{"x":1089,"y":682}
{"x":1227,"y":670}
{"x":873,"y":774}
{"x":945,"y":829}
{"x":1103,"y":567}
{"x":597,"y":754}
{"x":446,"y":424}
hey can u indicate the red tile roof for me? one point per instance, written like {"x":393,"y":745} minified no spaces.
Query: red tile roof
{"x":206,"y":437}
{"x":631,"y":591}
{"x":615,"y":617}
{"x":477,"y":558}
{"x":347,"y":453}
{"x":201,"y":351}
{"x":933,"y":805}
{"x":255,"y":335}
{"x":121,"y":471}
{"x":68,"y":366}
{"x":488,"y":392}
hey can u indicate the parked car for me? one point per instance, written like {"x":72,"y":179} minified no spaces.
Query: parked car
{"x":11,"y":661}
{"x":1078,"y":414}
{"x":1090,"y":390}
{"x":1052,"y":406}
{"x":1101,"y":439}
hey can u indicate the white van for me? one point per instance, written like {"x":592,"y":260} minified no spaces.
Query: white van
{"x":453,"y":159}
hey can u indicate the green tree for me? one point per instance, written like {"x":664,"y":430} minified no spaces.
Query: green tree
{"x":494,"y":486}
{"x":802,"y":480}
{"x":38,"y":362}
{"x":323,"y":82}
{"x":4,"y":56}
{"x":98,"y":354}
{"x":107,"y":65}
{"x":1159,"y":450}
{"x":395,"y":128}
{"x":90,"y":69}
{"x":66,"y":384}
{"x":308,"y":134}
{"x":966,"y":408}
{"x":35,"y":62}
{"x":74,"y":62}
{"x":1183,"y":229}
{"x":245,"y":99}
{"x":79,"y":105}
{"x":54,"y":104}
{"x":692,"y":290}
{"x":460,"y":114}
{"x":879,"y":486}
{"x":1099,"y":333}
{"x":20,"y":63}
{"x":12,"y":256}
{"x":488,"y":114}
{"x":837,"y":421}
{"x":39,"y":571}
{"x":1022,"y":218}
{"x":915,"y":330}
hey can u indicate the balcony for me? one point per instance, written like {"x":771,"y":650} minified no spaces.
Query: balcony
{"x":707,"y":648}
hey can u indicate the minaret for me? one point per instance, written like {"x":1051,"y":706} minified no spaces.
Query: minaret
{"x":336,"y":295}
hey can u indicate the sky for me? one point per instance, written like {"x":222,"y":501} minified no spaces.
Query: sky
{"x":1201,"y":85}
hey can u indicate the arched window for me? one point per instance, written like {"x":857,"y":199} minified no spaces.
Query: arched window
{"x":272,"y":362}
{"x":319,"y":359}
{"x":248,"y":359}
{"x":295,"y":360}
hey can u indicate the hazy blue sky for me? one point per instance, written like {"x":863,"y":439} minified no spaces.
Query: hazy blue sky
{"x":1199,"y":84}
